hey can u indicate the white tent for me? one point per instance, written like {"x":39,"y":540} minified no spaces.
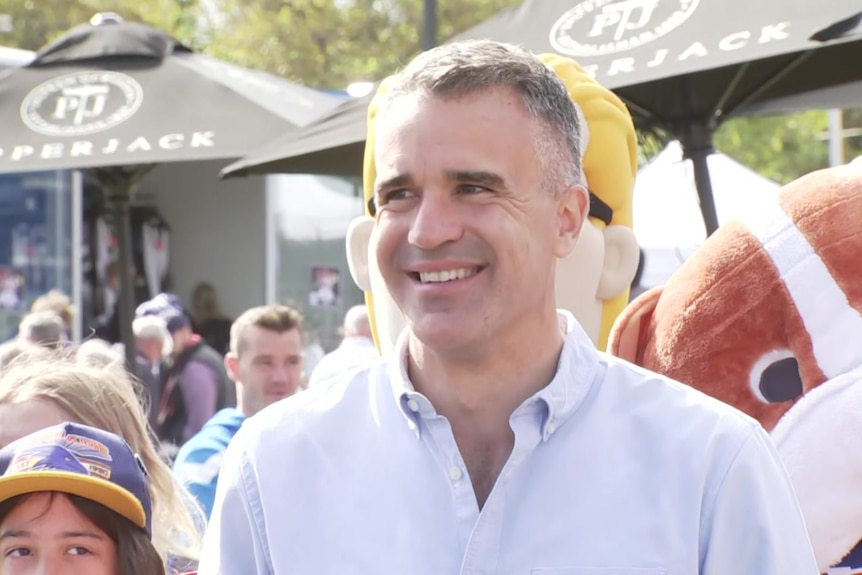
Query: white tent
{"x":308,"y":207}
{"x":12,"y":57}
{"x":667,"y":217}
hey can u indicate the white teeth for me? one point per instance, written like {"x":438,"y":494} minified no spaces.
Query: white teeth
{"x":446,"y":275}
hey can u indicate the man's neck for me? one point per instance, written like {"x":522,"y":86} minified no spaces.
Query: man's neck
{"x":478,"y":395}
{"x":497,"y":377}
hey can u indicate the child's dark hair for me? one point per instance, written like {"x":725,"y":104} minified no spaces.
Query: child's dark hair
{"x":135,"y":552}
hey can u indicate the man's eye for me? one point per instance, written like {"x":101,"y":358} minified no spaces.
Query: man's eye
{"x":396,"y":195}
{"x":471,"y":189}
{"x":79,"y":551}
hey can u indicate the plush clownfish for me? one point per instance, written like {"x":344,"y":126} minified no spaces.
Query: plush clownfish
{"x":610,"y":166}
{"x":767,"y":316}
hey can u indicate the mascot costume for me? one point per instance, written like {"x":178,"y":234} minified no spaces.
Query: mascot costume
{"x":593,"y":281}
{"x":767,"y":316}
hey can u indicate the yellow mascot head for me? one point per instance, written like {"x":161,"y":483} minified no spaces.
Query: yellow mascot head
{"x":593,"y":282}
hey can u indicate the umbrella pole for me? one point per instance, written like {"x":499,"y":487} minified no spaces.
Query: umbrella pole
{"x":696,"y":141}
{"x":429,"y":24}
{"x":119,"y":185}
{"x":120,"y":208}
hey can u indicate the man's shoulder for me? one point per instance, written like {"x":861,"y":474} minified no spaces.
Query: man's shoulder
{"x":670,"y":406}
{"x":328,"y":365}
{"x":338,"y":401}
{"x":337,"y":365}
{"x":676,"y":433}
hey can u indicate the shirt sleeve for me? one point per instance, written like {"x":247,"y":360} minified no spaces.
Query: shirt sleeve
{"x":754,"y":524}
{"x":199,"y":385}
{"x":235,"y":542}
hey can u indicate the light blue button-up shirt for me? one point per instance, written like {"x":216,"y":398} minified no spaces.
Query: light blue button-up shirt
{"x":615,"y":471}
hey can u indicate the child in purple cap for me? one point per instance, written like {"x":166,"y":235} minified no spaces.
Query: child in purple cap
{"x":75,"y":500}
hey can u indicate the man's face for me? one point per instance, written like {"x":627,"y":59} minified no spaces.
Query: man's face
{"x":180,"y":338}
{"x":151,"y":347}
{"x":268,"y":367}
{"x":466,"y":237}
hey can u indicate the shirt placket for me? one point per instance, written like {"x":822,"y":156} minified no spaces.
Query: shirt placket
{"x":485,"y":545}
{"x":480,"y":532}
{"x":441,"y":440}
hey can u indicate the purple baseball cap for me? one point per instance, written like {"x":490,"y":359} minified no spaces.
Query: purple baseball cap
{"x":168,"y":307}
{"x":79,"y":460}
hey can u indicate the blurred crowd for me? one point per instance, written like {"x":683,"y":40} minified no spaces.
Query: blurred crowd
{"x":193,"y":384}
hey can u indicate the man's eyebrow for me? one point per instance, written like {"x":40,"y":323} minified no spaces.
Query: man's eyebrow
{"x":398,"y":181}
{"x":480,"y":177}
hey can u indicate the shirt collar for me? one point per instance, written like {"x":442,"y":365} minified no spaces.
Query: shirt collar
{"x":411,"y":403}
{"x":576,"y":371}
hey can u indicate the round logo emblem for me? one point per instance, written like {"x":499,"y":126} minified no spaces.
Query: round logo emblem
{"x":81,"y":103}
{"x":599,"y":27}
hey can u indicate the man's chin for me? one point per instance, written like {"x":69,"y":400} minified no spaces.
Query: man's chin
{"x":445,"y":335}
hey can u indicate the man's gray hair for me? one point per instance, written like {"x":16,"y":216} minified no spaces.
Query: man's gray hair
{"x":153,"y":327}
{"x":357,"y":322}
{"x":42,"y":328}
{"x":471,"y":66}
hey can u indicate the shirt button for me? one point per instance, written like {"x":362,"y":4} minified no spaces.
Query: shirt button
{"x":455,"y":473}
{"x":412,"y":405}
{"x":550,"y":428}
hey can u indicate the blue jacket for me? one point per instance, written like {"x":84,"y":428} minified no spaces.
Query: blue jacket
{"x":198,"y":462}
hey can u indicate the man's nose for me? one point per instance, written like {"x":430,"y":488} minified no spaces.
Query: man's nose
{"x":436,"y":221}
{"x":280,"y":372}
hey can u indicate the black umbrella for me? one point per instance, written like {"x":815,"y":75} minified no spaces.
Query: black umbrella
{"x":842,"y":96}
{"x":333,"y":146}
{"x":680,"y":65}
{"x":121,"y":97}
{"x":685,"y":65}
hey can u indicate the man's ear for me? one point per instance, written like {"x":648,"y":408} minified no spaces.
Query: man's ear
{"x":621,"y":261}
{"x":230,"y":365}
{"x":573,"y":217}
{"x":358,"y":240}
{"x":630,"y":332}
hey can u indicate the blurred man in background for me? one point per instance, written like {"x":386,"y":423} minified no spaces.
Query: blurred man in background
{"x":356,"y":349}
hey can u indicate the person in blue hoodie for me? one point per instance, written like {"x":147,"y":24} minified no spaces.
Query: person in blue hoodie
{"x":265,"y":362}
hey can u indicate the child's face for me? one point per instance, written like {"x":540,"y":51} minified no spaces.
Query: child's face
{"x":46,"y":534}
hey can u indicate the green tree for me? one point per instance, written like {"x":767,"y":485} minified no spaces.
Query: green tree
{"x":331,"y":43}
{"x":853,"y":133}
{"x":37,"y":22}
{"x":781,"y":147}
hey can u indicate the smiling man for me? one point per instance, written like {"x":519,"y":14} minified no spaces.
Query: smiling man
{"x":496,"y":438}
{"x":265,"y":361}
